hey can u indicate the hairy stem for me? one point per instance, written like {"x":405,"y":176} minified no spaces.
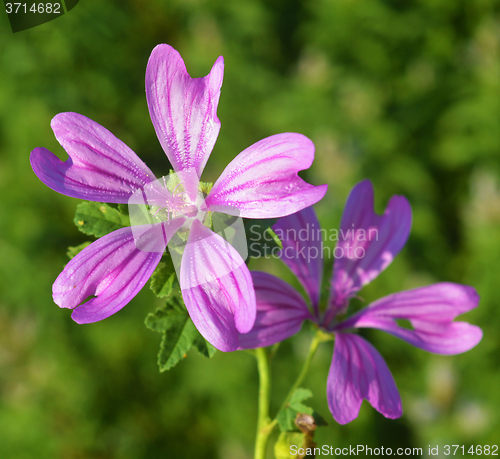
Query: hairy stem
{"x":263,"y":420}
{"x":264,"y":424}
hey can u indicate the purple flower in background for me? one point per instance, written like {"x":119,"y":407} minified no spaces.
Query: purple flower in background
{"x":261,"y":182}
{"x":366,"y":246}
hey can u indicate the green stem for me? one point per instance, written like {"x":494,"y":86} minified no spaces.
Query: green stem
{"x":264,"y":425}
{"x":318,"y":338}
{"x":264,"y":398}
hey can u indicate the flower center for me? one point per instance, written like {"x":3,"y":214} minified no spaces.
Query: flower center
{"x":173,"y":196}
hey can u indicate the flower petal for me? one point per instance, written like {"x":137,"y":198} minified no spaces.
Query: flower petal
{"x":217,"y":288}
{"x":112,"y":269}
{"x":100,"y":167}
{"x":183,"y":109}
{"x":367,"y":242}
{"x":359,"y":372}
{"x":431,"y":311}
{"x":300,"y":234}
{"x":262,"y":181}
{"x":280,"y":312}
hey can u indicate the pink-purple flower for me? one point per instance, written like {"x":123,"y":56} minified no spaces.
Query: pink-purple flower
{"x":367,"y":243}
{"x":261,"y":182}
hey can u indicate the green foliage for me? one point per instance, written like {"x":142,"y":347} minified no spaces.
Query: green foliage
{"x":74,"y":251}
{"x":178,"y":330}
{"x":179,"y":333}
{"x":172,"y":320}
{"x":97,"y":219}
{"x":305,"y":420}
{"x":164,"y":279}
{"x":204,"y":347}
{"x":286,"y":417}
{"x":123,"y":209}
{"x":160,"y":320}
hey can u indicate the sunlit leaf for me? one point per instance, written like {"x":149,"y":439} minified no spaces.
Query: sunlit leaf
{"x":164,"y":279}
{"x":97,"y":219}
{"x":179,"y":333}
{"x":286,"y":416}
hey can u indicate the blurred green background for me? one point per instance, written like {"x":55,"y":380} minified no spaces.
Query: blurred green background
{"x":406,"y":93}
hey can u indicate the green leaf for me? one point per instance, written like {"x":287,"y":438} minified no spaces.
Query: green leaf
{"x":285,"y":419}
{"x":261,"y":238}
{"x":298,"y":396}
{"x":204,"y":347}
{"x":123,"y":209}
{"x":99,"y":219}
{"x":176,"y":341}
{"x":179,"y":333}
{"x":74,"y":251}
{"x":178,"y":330}
{"x":164,"y":279}
{"x":286,"y":416}
{"x":159,"y":321}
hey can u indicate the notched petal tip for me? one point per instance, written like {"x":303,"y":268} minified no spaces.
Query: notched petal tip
{"x":263,"y":182}
{"x":100,"y":167}
{"x":110,"y":271}
{"x":368,"y":242}
{"x":183,"y":109}
{"x":431,"y":311}
{"x":358,"y":372}
{"x":45,"y":165}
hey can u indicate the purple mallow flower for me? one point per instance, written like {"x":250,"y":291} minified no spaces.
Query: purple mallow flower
{"x":261,"y":182}
{"x":367,"y":243}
